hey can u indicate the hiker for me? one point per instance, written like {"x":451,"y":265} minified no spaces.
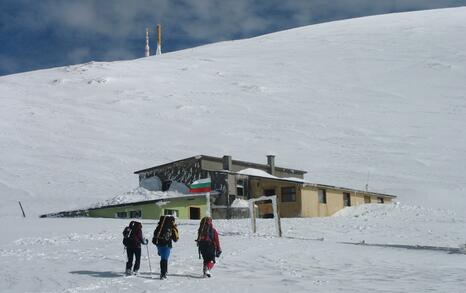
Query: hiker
{"x":132,"y":240}
{"x":208,"y":244}
{"x":164,"y":234}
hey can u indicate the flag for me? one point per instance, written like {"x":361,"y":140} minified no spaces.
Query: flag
{"x":201,"y":185}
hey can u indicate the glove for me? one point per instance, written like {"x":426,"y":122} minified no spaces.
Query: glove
{"x":145,"y":241}
{"x":218,"y":253}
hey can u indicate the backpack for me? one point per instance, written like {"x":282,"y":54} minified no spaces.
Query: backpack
{"x":129,"y":234}
{"x":163,"y":234}
{"x":206,"y":234}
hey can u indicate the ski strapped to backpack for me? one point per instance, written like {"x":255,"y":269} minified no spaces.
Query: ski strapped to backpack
{"x":156,"y":239}
{"x":166,"y":231}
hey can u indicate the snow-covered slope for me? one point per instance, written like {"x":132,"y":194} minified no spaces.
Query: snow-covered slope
{"x":378,"y":99}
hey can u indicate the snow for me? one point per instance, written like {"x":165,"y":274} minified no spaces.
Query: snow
{"x":255,"y":172}
{"x":86,"y":255}
{"x":240,"y":203}
{"x":377,"y":100}
{"x":140,"y":194}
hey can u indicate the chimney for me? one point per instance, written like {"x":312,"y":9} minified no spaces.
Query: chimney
{"x":159,"y":40}
{"x":147,"y":49}
{"x":271,"y":164}
{"x":227,"y":163}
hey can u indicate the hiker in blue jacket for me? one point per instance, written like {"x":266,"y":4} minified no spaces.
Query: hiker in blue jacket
{"x":164,"y":234}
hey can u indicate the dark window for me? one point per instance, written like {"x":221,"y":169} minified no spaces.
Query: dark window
{"x":170,"y":212}
{"x":240,"y":187}
{"x":166,"y":185}
{"x":346,"y":199}
{"x":194,"y":213}
{"x":269,"y":192}
{"x":367,"y":199}
{"x":122,"y":215}
{"x":135,"y":214}
{"x":380,"y":200}
{"x":322,"y":196}
{"x":288,"y":194}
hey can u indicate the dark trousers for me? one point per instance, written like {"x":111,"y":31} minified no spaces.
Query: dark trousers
{"x":133,"y":251}
{"x":207,"y":250}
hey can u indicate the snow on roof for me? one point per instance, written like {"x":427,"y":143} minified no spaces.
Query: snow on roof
{"x":261,"y":173}
{"x":256,"y":172}
{"x":140,"y":194}
{"x":240,"y":203}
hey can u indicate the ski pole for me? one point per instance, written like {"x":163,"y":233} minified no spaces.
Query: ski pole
{"x":148,"y":258}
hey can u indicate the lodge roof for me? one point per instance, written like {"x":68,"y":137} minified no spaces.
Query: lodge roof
{"x":161,"y":199}
{"x":315,"y":185}
{"x":217,"y":159}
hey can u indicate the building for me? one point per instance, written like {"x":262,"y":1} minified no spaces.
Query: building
{"x":233,"y":179}
{"x":183,"y":207}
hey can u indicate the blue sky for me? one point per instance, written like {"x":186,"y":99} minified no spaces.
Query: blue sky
{"x":37,"y":34}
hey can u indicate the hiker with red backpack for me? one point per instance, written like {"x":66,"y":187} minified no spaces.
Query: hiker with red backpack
{"x":132,"y":239}
{"x":208,"y":244}
{"x":165,"y":232}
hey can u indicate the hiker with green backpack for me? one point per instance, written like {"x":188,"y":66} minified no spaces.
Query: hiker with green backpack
{"x":164,"y":234}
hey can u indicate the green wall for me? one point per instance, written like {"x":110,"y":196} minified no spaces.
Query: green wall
{"x":154,"y":210}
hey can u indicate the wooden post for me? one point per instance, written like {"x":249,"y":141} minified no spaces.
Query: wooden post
{"x":208,"y":212}
{"x":252,"y":216}
{"x":24,"y":215}
{"x":276,"y":215}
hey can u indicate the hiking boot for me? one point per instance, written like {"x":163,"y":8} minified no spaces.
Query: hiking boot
{"x":135,"y":272}
{"x":208,"y":273}
{"x":128,"y":272}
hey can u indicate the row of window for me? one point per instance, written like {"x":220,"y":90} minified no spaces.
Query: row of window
{"x":289,"y":195}
{"x":138,"y":214}
{"x":132,"y":214}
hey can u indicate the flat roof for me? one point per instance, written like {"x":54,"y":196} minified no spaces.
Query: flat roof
{"x":183,"y":196}
{"x":199,"y":157}
{"x":317,"y":185}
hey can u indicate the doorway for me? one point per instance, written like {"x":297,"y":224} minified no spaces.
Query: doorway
{"x":194,"y":213}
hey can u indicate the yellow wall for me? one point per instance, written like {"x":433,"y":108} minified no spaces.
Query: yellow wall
{"x":286,"y":209}
{"x":307,"y":199}
{"x":312,"y":208}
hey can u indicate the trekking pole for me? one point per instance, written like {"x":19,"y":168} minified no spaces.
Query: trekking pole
{"x":148,"y":258}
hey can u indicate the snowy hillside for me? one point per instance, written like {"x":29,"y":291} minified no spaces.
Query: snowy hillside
{"x":377,"y":100}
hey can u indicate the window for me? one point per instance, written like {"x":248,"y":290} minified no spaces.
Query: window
{"x":322,"y":196}
{"x":194,"y":213}
{"x":166,"y":185}
{"x":367,"y":199}
{"x":122,"y":215}
{"x":240,"y":187}
{"x":380,"y":199}
{"x":288,"y":194}
{"x":346,"y":199}
{"x":170,"y":212}
{"x":135,"y":214}
{"x":269,"y":192}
